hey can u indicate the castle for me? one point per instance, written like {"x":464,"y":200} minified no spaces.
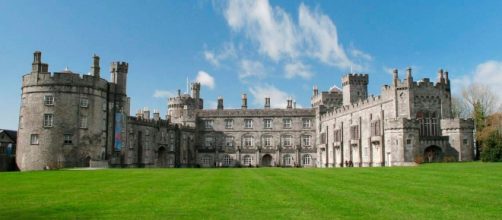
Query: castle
{"x":72,"y":120}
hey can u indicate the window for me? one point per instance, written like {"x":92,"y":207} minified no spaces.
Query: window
{"x":287,"y":160}
{"x":267,"y":123}
{"x":408,"y":141}
{"x":229,"y":141}
{"x":34,"y":139}
{"x":428,"y":124}
{"x":49,"y":100}
{"x":247,"y":160}
{"x":67,"y":139}
{"x":227,"y":160}
{"x":375,"y":128}
{"x":248,"y":141}
{"x":84,"y":102}
{"x":248,"y":123}
{"x":306,"y":159}
{"x":267,"y":141}
{"x":465,"y":141}
{"x":287,"y":123}
{"x":338,"y":135}
{"x":306,"y":140}
{"x":286,"y":141}
{"x":83,"y":122}
{"x":206,"y":160}
{"x":48,"y":120}
{"x":208,"y":124}
{"x":354,"y":132}
{"x":208,"y":142}
{"x":307,"y":123}
{"x":229,"y":123}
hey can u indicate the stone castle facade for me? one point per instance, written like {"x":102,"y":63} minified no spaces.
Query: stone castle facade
{"x":72,"y":120}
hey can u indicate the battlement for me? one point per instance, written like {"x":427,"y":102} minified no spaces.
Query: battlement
{"x":66,"y":78}
{"x":148,"y":122}
{"x":457,"y":123}
{"x":307,"y":112}
{"x":361,"y":104}
{"x":356,"y":78}
{"x":119,"y":66}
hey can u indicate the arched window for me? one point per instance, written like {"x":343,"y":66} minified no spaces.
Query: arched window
{"x":227,"y":160}
{"x":247,"y":160}
{"x":428,"y":124}
{"x":287,"y":160}
{"x":306,"y":159}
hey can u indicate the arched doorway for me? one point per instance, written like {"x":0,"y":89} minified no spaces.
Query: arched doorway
{"x":266,"y":160}
{"x":433,"y":154}
{"x":87,"y":161}
{"x":162,"y":160}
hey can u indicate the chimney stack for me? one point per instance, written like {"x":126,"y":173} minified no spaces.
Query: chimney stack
{"x":446,"y":79}
{"x":156,"y":115}
{"x":290,"y":103}
{"x":294,"y":104}
{"x":267,"y":102}
{"x":395,"y":77}
{"x":316,"y":91}
{"x":95,"y":69}
{"x":146,"y":113}
{"x":244,"y":101}
{"x":220,"y":103}
{"x":440,"y":75}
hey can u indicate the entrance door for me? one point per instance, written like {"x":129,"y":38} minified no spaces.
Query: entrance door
{"x":432,"y":154}
{"x":162,"y":160}
{"x":266,"y":160}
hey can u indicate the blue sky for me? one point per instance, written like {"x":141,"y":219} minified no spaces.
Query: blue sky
{"x":262,"y":48}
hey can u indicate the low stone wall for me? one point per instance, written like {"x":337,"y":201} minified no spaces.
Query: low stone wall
{"x":98,"y":164}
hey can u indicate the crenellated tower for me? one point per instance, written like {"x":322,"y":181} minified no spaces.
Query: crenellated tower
{"x":355,"y":88}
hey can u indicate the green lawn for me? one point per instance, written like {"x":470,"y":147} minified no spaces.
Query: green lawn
{"x":435,"y":191}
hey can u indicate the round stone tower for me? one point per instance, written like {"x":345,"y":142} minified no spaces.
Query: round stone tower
{"x":63,"y":118}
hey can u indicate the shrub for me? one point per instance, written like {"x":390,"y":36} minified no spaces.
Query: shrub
{"x":492,"y":148}
{"x":419,"y":159}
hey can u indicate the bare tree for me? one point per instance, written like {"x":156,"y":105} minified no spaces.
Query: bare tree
{"x":460,"y":108}
{"x":479,"y":94}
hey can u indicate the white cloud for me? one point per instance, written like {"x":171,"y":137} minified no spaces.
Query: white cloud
{"x":278,"y":98}
{"x":249,"y":68}
{"x":297,"y":69}
{"x":322,"y":38}
{"x":271,"y":28}
{"x":279,"y":38}
{"x":210,"y":104}
{"x":489,"y":73}
{"x":215,"y":58}
{"x":163,"y":94}
{"x":205,"y":79}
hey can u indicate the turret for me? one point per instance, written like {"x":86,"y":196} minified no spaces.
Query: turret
{"x":315,"y":90}
{"x":119,"y":76}
{"x":355,"y":88}
{"x":37,"y":65}
{"x":440,"y":76}
{"x":196,"y":90}
{"x":95,"y":69}
{"x":395,"y":77}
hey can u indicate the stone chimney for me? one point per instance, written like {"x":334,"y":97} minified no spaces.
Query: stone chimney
{"x":440,"y":76}
{"x":316,"y":91}
{"x":95,"y":69}
{"x":267,"y":102}
{"x":446,"y":79}
{"x":156,"y":115}
{"x":294,"y":104}
{"x":244,"y":101}
{"x":395,"y":76}
{"x":220,"y":103}
{"x":146,"y":113}
{"x":290,"y":103}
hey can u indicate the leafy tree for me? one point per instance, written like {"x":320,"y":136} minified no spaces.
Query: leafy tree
{"x":492,"y":148}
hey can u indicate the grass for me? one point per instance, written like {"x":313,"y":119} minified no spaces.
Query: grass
{"x":434,"y":191}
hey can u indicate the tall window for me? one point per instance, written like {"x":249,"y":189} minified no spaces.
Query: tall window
{"x":67,"y":139}
{"x":48,"y":100}
{"x":227,"y":160}
{"x":287,"y":160}
{"x":248,"y":141}
{"x":267,"y":123}
{"x":267,"y":141}
{"x":209,"y":124}
{"x":307,"y":159}
{"x":428,"y":124}
{"x":306,"y":140}
{"x":34,"y":139}
{"x":247,"y":160}
{"x":229,"y":123}
{"x":248,"y":123}
{"x":83,"y":122}
{"x":307,"y":123}
{"x":338,"y":135}
{"x":48,"y":120}
{"x":287,"y":123}
{"x":354,"y":132}
{"x":84,"y":102}
{"x":286,"y":141}
{"x":375,"y":128}
{"x":229,"y":141}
